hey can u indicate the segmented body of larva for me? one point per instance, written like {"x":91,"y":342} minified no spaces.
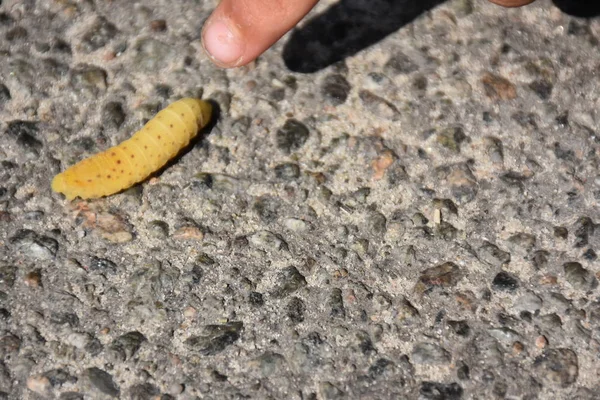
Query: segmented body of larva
{"x":133,"y":160}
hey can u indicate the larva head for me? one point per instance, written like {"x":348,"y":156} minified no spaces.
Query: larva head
{"x":202,"y":110}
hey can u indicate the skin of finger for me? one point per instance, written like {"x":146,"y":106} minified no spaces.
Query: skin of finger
{"x":512,"y":3}
{"x":260,"y":23}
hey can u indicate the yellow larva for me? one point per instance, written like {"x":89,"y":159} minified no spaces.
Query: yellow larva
{"x":133,"y":160}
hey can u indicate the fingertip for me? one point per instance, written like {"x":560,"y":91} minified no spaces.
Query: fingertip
{"x":223,"y":42}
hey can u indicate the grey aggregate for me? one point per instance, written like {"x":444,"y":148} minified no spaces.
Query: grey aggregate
{"x":399,"y":200}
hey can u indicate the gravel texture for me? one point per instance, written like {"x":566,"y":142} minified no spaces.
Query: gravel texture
{"x":407,"y":211}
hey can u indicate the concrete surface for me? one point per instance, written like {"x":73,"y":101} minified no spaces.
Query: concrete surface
{"x":398,"y":201}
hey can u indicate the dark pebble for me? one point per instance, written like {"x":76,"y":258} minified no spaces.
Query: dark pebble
{"x":102,"y":265}
{"x":444,"y":276}
{"x":295,"y":310}
{"x":4,"y":95}
{"x":256,"y":299}
{"x":288,"y":280}
{"x":335,"y":89}
{"x":158,"y":229}
{"x":35,"y":246}
{"x":16,"y":33}
{"x":267,"y":208}
{"x":292,"y":136}
{"x":144,"y":391}
{"x":126,"y":346}
{"x":71,"y":396}
{"x":505,"y":282}
{"x":59,"y":377}
{"x":102,"y":381}
{"x":288,"y":171}
{"x":158,"y":25}
{"x":88,"y":80}
{"x":583,"y":228}
{"x":440,"y":391}
{"x":400,"y":63}
{"x":215,"y":338}
{"x":542,"y":88}
{"x":336,"y":304}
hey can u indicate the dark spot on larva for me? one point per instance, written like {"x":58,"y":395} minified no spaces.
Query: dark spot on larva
{"x":118,"y":161}
{"x":108,"y":176}
{"x":113,"y":154}
{"x":89,"y":181}
{"x":114,"y":170}
{"x":182,"y":114}
{"x":132,"y":156}
{"x":159,"y":137}
{"x":171,"y":125}
{"x":145,"y":147}
{"x":130,"y":174}
{"x":98,"y":176}
{"x":122,"y":170}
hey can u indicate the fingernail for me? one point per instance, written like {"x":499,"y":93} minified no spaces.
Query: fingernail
{"x":222,"y":43}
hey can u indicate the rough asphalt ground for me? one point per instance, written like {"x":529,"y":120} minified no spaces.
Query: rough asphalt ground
{"x":401,"y":212}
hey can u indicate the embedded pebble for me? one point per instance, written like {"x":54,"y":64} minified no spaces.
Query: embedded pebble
{"x":102,"y":381}
{"x":429,"y":353}
{"x":292,"y":136}
{"x":215,"y":338}
{"x":558,"y":367}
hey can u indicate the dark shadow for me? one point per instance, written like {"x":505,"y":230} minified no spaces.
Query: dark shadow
{"x":351,"y":26}
{"x":347,"y":28}
{"x":579,"y":8}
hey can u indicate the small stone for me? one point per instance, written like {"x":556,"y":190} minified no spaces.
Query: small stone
{"x":292,"y":136}
{"x":287,"y":171}
{"x":267,"y":208}
{"x":407,"y":314}
{"x":461,"y":328}
{"x":33,"y":279}
{"x":102,"y":265}
{"x":579,"y":277}
{"x":541,"y":342}
{"x":557,"y":367}
{"x":256,"y":299}
{"x":542,"y":88}
{"x":440,"y":391}
{"x":528,"y":302}
{"x":498,"y":88}
{"x":188,"y":233}
{"x":382,"y":163}
{"x":328,"y":391}
{"x":452,"y":138}
{"x":505,"y":282}
{"x":400,"y":63}
{"x":39,"y":384}
{"x":295,"y":310}
{"x":296,"y":225}
{"x":59,"y":377}
{"x":35,"y":246}
{"x":144,"y":391}
{"x":215,"y":338}
{"x":335,"y":89}
{"x":268,"y":241}
{"x":88,"y":79}
{"x":288,"y":280}
{"x":102,"y":381}
{"x":336,"y":304}
{"x":4,"y":96}
{"x":463,"y":183}
{"x":561,"y":232}
{"x":126,"y":346}
{"x":158,"y":25}
{"x":113,"y":228}
{"x":443,"y":276}
{"x":71,"y":396}
{"x":430,"y":354}
{"x":583,"y":229}
{"x":493,"y":256}
{"x":378,"y":106}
